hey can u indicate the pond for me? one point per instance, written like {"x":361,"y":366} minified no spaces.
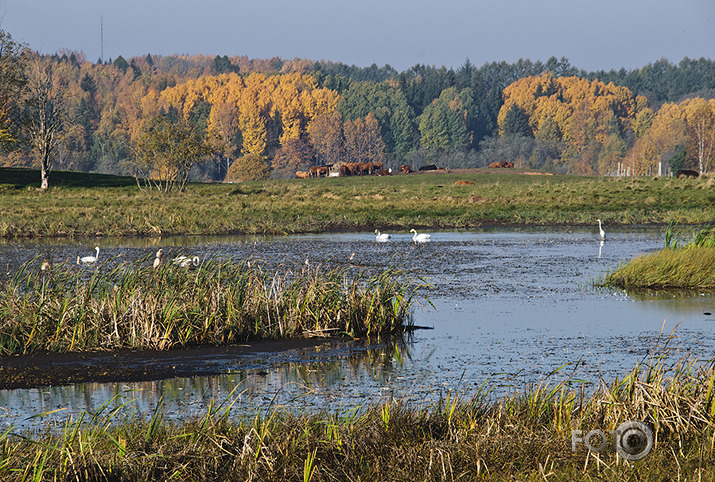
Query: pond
{"x":507,"y":308}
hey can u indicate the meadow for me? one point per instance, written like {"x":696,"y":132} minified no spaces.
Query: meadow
{"x":79,"y":204}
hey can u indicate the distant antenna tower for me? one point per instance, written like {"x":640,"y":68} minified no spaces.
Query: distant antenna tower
{"x":101,"y":38}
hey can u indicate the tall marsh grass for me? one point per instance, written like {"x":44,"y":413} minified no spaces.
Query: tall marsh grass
{"x":684,"y":264}
{"x":524,"y":436}
{"x":72,"y":308}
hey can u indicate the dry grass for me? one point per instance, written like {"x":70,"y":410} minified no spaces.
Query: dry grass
{"x":74,"y":308}
{"x":685,"y":264}
{"x":523,"y":436}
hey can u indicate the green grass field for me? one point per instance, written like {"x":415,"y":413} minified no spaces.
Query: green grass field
{"x":98,"y":205}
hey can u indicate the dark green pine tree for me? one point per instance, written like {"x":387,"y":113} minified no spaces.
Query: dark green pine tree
{"x":516,"y":123}
{"x":222,"y":65}
{"x":121,"y":64}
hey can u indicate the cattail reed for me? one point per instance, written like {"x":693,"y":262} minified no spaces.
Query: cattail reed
{"x":72,"y":308}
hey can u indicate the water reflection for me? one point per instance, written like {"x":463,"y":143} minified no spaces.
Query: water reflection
{"x":297,"y":384}
{"x":510,"y":306}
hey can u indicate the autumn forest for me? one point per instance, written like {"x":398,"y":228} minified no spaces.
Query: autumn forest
{"x":180,"y":118}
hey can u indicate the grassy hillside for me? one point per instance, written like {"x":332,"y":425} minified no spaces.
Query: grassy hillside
{"x":89,"y":204}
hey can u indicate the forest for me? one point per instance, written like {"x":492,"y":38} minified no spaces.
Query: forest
{"x":171,"y":119}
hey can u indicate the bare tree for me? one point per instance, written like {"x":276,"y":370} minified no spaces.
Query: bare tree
{"x":45,"y":116}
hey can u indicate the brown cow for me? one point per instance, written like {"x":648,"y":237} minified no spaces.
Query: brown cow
{"x":499,"y":164}
{"x":351,"y":168}
{"x":384,"y":173}
{"x":319,"y":171}
{"x":463,"y":183}
{"x":302,"y":174}
{"x":405,"y":169}
{"x":377,"y":166}
{"x":364,"y":168}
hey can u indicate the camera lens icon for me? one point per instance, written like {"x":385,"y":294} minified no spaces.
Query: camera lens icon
{"x":634,"y":440}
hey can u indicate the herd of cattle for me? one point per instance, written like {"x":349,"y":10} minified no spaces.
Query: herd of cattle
{"x":343,"y":169}
{"x":376,"y":168}
{"x":370,"y":168}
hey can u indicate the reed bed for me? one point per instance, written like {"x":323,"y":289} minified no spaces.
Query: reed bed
{"x":686,"y":263}
{"x":105,"y":307}
{"x":524,"y":436}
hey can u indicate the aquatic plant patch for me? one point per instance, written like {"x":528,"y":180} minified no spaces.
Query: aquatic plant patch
{"x":684,"y":264}
{"x":106,"y":306}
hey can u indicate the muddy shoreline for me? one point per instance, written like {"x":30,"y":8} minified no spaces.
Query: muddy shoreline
{"x":56,"y":369}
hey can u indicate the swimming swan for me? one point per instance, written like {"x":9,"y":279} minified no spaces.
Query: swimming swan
{"x":419,"y":238}
{"x":89,"y":259}
{"x":184,"y":261}
{"x":381,"y":238}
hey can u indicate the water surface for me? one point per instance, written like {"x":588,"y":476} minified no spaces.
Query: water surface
{"x":508,"y":307}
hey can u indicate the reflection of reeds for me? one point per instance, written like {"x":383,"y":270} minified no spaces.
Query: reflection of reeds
{"x":527,"y":435}
{"x":130,"y":306}
{"x":681,"y":265}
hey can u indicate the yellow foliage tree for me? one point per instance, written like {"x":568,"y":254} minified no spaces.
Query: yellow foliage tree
{"x":700,"y":121}
{"x":658,"y":142}
{"x":251,"y":167}
{"x":326,"y":135}
{"x":255,"y":101}
{"x":590,"y":116}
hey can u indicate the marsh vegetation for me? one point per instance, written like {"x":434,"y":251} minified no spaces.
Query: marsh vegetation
{"x":528,"y":433}
{"x":131,"y":305}
{"x":686,"y":263}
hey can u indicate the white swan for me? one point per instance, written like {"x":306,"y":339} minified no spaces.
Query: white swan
{"x":89,"y":259}
{"x":159,"y":257}
{"x":419,"y":238}
{"x":381,"y":238}
{"x":600,"y":230}
{"x":184,"y":261}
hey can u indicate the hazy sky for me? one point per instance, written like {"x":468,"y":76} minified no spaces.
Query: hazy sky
{"x":592,"y":34}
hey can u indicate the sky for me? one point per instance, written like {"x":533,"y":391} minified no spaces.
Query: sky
{"x":592,"y":34}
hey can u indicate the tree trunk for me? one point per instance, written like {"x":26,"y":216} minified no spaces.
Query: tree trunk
{"x":45,"y":183}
